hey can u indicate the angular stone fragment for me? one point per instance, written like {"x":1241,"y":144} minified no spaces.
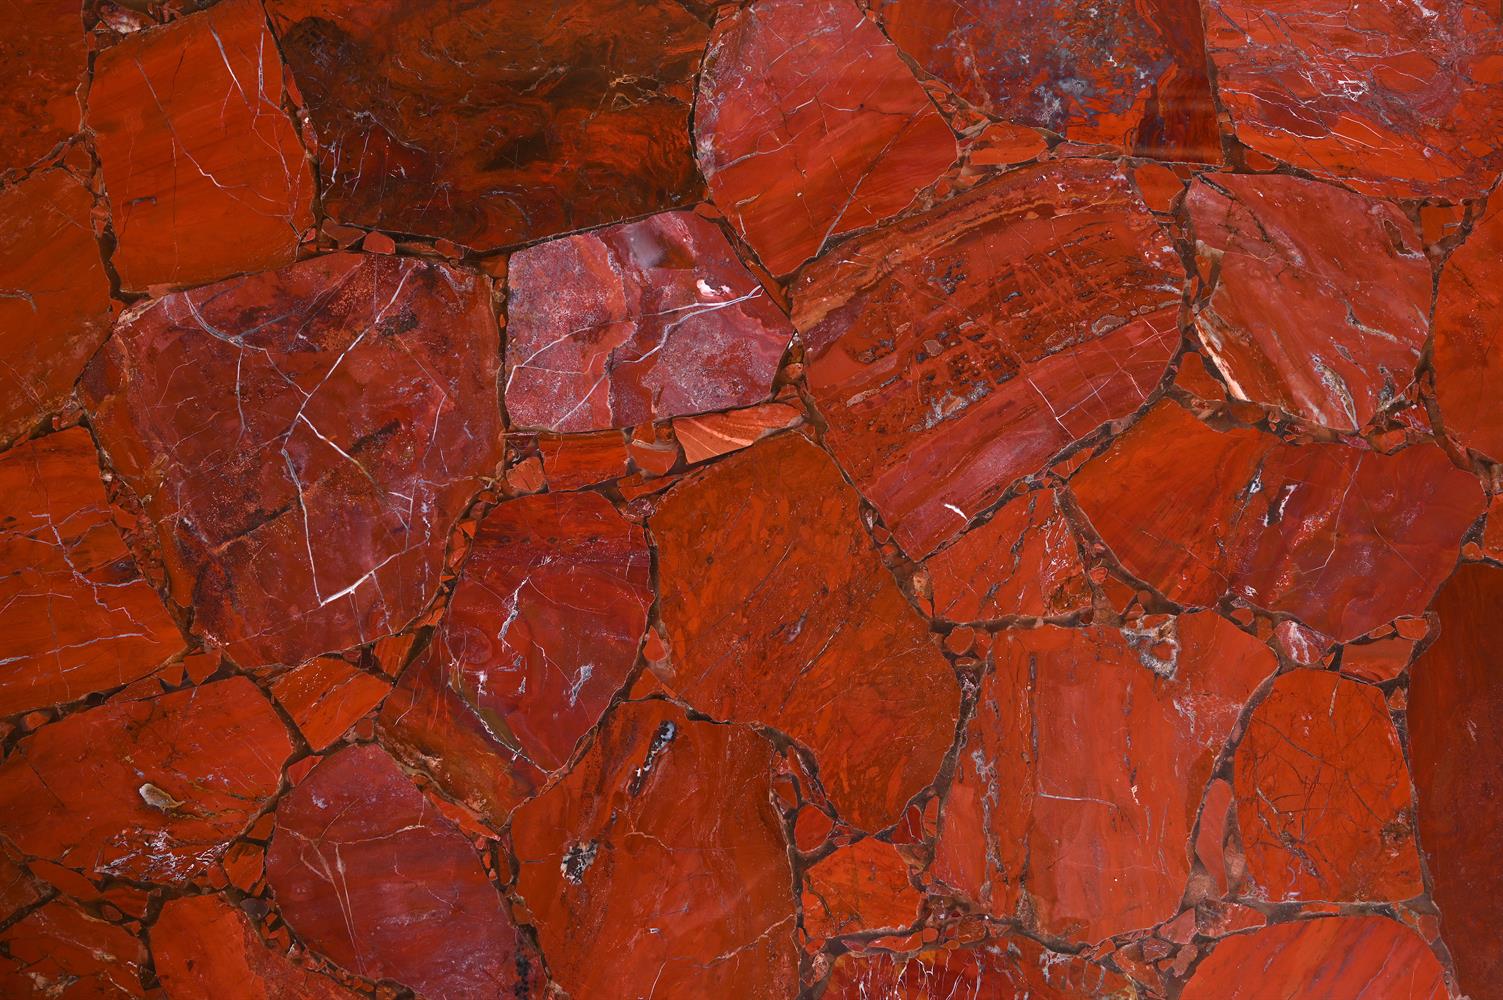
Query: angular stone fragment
{"x":1394,"y":99}
{"x":1299,"y":528}
{"x":572,"y":461}
{"x":780,"y":612}
{"x":55,"y":307}
{"x":860,"y":888}
{"x":428,"y":723}
{"x":1354,"y":958}
{"x":1319,"y":298}
{"x":661,"y":850}
{"x":204,"y":947}
{"x":636,"y":323}
{"x":714,"y":434}
{"x":1456,"y":751}
{"x":1323,"y":796}
{"x":59,"y":952}
{"x":1024,"y":561}
{"x":1468,"y":326}
{"x":496,"y":122}
{"x":44,"y":57}
{"x":541,"y":631}
{"x":809,"y":125}
{"x":1006,"y":968}
{"x":76,"y":615}
{"x":1127,"y":75}
{"x":962,"y":348}
{"x":356,"y":863}
{"x":1085,"y":767}
{"x":339,"y":417}
{"x":204,"y":169}
{"x":325,"y":696}
{"x":151,"y":790}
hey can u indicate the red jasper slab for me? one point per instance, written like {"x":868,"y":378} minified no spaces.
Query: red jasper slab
{"x":1002,"y":969}
{"x":662,"y":817}
{"x":203,"y":946}
{"x":62,"y":953}
{"x":960,"y":349}
{"x":715,"y":434}
{"x":1363,"y":958}
{"x":302,"y":480}
{"x":809,"y":125}
{"x":635,"y":323}
{"x":541,"y":631}
{"x":1457,"y":759}
{"x":76,"y":613}
{"x":1131,"y":76}
{"x":779,"y":612}
{"x":1321,"y":794}
{"x":196,"y":146}
{"x":185,"y":774}
{"x":1317,"y":299}
{"x":496,"y":123}
{"x":1468,"y":304}
{"x":1197,"y":513}
{"x":44,"y":56}
{"x":1024,"y":561}
{"x":55,"y":309}
{"x":1085,"y":766}
{"x":1391,"y":99}
{"x":354,"y":861}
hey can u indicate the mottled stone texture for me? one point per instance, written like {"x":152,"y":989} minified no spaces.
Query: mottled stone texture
{"x":756,"y":500}
{"x":500,"y":122}
{"x":301,"y":483}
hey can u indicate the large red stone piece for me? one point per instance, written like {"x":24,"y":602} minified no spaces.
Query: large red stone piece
{"x":55,"y":307}
{"x":1317,"y":299}
{"x":1007,"y":968}
{"x":498,"y":122}
{"x":1127,"y":75}
{"x":59,"y":952}
{"x":1306,"y":529}
{"x":1322,"y":795}
{"x":661,"y":819}
{"x":635,"y":323}
{"x":1468,"y":325}
{"x":541,"y":631}
{"x":1355,"y":958}
{"x":1084,"y":769}
{"x":43,"y":58}
{"x":960,"y":349}
{"x":151,"y":790}
{"x":809,"y":125}
{"x":302,"y":481}
{"x":356,"y":861}
{"x":205,"y":173}
{"x":76,"y":614}
{"x":325,"y":696}
{"x":859,"y":889}
{"x":779,"y":612}
{"x":1024,"y":561}
{"x":1455,"y":697}
{"x":204,"y":947}
{"x":1391,"y":98}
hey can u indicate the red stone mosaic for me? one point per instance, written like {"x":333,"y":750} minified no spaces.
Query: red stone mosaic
{"x":752,"y":500}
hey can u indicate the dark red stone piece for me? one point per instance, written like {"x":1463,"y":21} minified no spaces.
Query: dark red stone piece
{"x":355,"y":862}
{"x":339,"y":416}
{"x":498,"y":122}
